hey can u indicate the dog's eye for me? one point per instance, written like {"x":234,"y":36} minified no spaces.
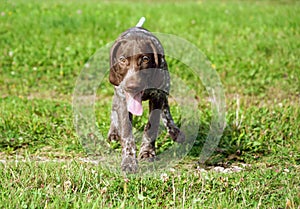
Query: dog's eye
{"x":145,"y":59}
{"x":122,"y":59}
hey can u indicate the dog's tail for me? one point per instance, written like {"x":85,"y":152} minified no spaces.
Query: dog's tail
{"x":141,"y":22}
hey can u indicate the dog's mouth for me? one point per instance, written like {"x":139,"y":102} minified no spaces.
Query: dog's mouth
{"x":134,"y":103}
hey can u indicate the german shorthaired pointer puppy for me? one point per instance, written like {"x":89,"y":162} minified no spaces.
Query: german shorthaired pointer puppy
{"x":138,"y":71}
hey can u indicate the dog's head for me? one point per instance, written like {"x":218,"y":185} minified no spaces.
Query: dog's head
{"x":137,"y":63}
{"x":136,"y":49}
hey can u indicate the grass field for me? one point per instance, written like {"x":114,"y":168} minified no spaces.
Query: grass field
{"x":254,"y":47}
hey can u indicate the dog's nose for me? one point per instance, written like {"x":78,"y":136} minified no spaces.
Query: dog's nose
{"x":133,"y":83}
{"x":132,"y":87}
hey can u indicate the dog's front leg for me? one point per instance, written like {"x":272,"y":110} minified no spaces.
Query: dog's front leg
{"x":147,"y":150}
{"x":129,"y":161}
{"x":114,"y":130}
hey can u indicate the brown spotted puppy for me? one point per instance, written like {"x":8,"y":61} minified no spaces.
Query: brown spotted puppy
{"x":139,"y":72}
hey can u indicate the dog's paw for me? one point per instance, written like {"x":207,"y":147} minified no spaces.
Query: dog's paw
{"x":129,"y":164}
{"x":147,"y":153}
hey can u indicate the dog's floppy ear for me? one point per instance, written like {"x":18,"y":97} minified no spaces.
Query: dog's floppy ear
{"x":163,"y":63}
{"x":158,"y":53}
{"x":155,"y":52}
{"x":116,"y":74}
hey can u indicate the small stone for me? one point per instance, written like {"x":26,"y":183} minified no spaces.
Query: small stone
{"x":218,"y":169}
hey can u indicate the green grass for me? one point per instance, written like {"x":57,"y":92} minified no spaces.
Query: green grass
{"x":82,"y":185}
{"x":254,"y":46}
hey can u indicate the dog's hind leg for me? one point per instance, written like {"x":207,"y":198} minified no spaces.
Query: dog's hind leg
{"x":168,"y":121}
